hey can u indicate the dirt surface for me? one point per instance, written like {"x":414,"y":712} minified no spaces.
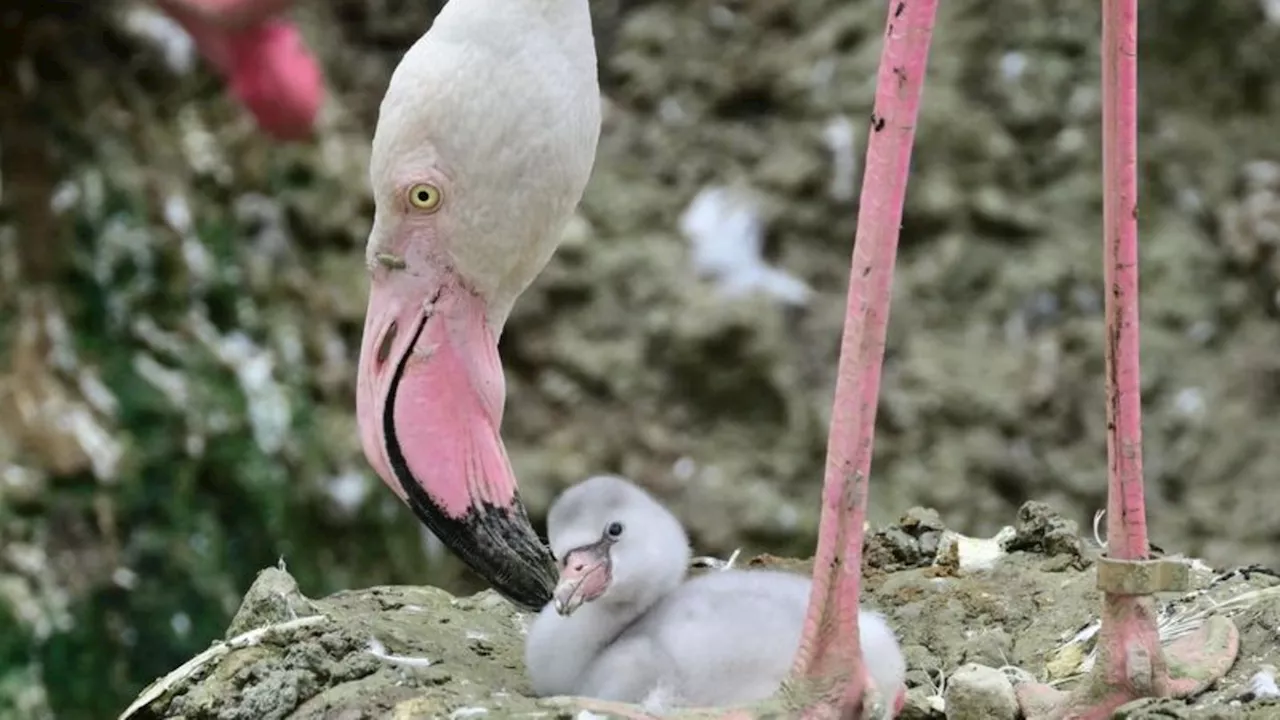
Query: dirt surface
{"x":1021,"y":611}
{"x":181,"y":304}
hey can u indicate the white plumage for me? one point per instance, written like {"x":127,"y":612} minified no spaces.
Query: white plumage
{"x":499,"y":104}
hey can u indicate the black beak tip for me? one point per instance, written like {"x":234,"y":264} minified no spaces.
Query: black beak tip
{"x":528,"y":586}
{"x":520,"y":566}
{"x":500,"y":545}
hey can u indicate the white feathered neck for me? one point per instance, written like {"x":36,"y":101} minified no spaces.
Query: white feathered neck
{"x":503,"y":97}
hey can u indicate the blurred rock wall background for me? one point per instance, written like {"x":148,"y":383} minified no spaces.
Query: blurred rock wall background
{"x":181,"y":302}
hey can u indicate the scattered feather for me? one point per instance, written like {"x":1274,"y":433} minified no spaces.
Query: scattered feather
{"x":1262,"y":685}
{"x":969,"y":553}
{"x":727,"y":234}
{"x":378,"y":650}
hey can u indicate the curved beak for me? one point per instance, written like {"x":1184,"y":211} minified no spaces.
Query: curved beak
{"x":429,"y":405}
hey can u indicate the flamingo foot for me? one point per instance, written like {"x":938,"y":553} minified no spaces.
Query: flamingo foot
{"x":1191,"y":664}
{"x":1199,"y":660}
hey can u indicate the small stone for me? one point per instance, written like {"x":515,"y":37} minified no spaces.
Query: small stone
{"x":905,"y":548}
{"x":1041,"y":529}
{"x":922,"y":705}
{"x":918,"y":520}
{"x":892,"y":549}
{"x":978,"y":692}
{"x":989,"y":647}
{"x":273,"y":598}
{"x":929,"y":542}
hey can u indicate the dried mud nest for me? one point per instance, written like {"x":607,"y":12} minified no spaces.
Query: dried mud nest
{"x":1021,"y":603}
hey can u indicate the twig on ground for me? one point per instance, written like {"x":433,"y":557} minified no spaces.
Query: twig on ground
{"x":216,"y":652}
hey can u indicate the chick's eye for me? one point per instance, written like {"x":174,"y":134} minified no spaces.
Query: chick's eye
{"x":614,"y":530}
{"x":424,"y":197}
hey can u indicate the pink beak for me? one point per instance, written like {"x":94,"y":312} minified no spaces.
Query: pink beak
{"x":429,"y":403}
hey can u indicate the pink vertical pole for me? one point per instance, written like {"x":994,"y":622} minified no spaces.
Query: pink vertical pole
{"x":829,"y":649}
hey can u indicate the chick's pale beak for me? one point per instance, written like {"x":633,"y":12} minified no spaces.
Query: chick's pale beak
{"x":429,"y":404}
{"x":586,"y":575}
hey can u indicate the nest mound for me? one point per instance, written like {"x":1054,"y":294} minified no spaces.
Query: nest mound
{"x":1023,"y":599}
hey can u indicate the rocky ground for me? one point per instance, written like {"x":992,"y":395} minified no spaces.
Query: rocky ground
{"x":418,"y":652}
{"x":181,"y":302}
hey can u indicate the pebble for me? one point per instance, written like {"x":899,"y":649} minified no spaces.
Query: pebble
{"x":978,"y":692}
{"x":988,"y":648}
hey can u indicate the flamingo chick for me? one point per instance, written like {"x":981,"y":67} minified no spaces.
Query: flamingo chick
{"x":485,"y":140}
{"x":626,"y":625}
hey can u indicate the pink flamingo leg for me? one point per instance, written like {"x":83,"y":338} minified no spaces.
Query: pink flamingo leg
{"x":1131,"y":663}
{"x":829,"y":678}
{"x":830,"y":660}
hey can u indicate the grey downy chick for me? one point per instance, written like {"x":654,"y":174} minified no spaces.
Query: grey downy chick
{"x":628,"y":625}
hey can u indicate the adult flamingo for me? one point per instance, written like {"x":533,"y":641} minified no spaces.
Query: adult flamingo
{"x":485,"y":141}
{"x":484,"y":145}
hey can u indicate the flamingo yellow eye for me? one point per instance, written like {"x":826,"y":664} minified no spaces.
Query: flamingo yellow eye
{"x":424,"y":197}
